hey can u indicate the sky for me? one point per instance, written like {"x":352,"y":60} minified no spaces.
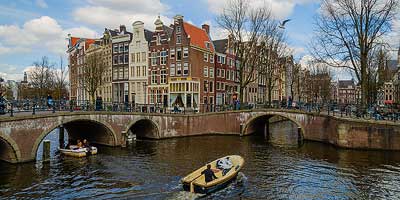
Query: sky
{"x":30,"y":29}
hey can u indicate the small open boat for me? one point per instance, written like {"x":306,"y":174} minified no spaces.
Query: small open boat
{"x":78,"y":152}
{"x":195,"y":182}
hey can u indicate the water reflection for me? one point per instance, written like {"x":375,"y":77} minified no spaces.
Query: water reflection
{"x":153,"y":169}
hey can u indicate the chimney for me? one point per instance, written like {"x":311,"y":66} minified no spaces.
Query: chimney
{"x":206,"y":27}
{"x":122,"y":28}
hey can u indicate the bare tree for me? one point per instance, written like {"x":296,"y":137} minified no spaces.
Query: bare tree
{"x":93,"y":71}
{"x":61,"y":79}
{"x":245,"y":26}
{"x":319,"y":82}
{"x":42,"y":76}
{"x":348,"y":30}
{"x":272,"y":57}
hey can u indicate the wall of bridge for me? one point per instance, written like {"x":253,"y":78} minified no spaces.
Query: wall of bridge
{"x":24,"y":134}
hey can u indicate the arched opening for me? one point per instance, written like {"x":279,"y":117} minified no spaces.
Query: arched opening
{"x":95,"y":132}
{"x":143,"y":128}
{"x":277,"y":129}
{"x":69,"y":132}
{"x":7,"y":152}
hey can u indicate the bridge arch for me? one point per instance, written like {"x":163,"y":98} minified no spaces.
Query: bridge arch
{"x":9,"y":150}
{"x":95,"y":131}
{"x":144,"y":128}
{"x":257,"y":123}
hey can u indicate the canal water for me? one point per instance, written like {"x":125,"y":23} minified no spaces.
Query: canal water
{"x":278,"y":169}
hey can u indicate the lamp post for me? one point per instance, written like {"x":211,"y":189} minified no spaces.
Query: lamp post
{"x":145,"y":92}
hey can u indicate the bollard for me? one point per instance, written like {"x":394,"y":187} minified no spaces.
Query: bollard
{"x":46,"y":150}
{"x":61,"y":136}
{"x":299,"y":137}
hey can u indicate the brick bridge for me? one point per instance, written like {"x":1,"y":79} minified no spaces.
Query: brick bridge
{"x":20,"y":136}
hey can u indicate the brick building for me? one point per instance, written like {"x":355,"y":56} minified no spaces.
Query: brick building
{"x":191,"y":57}
{"x":158,"y":87}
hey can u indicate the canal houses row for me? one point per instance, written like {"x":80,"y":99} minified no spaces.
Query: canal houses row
{"x":171,"y":65}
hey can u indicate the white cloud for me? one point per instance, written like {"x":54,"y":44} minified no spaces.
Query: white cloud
{"x":41,"y":33}
{"x":41,"y":3}
{"x":10,"y":72}
{"x":281,"y":9}
{"x":112,"y":13}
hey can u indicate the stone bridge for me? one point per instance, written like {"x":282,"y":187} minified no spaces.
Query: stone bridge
{"x":20,"y":137}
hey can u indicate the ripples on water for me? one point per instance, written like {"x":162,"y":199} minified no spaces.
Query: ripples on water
{"x":153,"y":169}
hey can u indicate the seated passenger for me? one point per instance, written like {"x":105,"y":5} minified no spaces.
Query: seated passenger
{"x":208,"y":174}
{"x":86,"y":143}
{"x":79,"y":144}
{"x":225,"y":165}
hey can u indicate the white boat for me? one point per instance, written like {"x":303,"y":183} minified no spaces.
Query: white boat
{"x":78,"y":152}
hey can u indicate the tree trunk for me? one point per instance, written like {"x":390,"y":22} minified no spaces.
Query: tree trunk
{"x":241,"y":96}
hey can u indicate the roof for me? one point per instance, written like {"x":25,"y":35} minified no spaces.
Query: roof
{"x":74,"y":40}
{"x":198,"y":36}
{"x":221,"y":45}
{"x":345,"y":83}
{"x":148,"y":35}
{"x":168,"y":30}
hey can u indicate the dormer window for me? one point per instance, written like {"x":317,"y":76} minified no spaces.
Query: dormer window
{"x":207,"y":45}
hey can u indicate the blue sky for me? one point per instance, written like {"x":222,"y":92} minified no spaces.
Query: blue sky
{"x":30,"y":29}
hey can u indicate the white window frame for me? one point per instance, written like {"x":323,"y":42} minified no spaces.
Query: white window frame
{"x":205,"y":71}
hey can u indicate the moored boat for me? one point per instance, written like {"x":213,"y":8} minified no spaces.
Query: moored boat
{"x":78,"y":152}
{"x":195,"y":181}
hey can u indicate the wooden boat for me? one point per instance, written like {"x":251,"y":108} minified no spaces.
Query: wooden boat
{"x":78,"y":152}
{"x":195,"y":182}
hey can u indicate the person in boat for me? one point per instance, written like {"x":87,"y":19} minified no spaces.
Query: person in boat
{"x":86,"y":145}
{"x":208,"y":174}
{"x":79,"y":144}
{"x":225,"y":165}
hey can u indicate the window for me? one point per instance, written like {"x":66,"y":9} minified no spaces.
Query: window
{"x":223,"y":73}
{"x":163,"y":58}
{"x":172,"y":53}
{"x":172,"y":70}
{"x":218,"y":72}
{"x":115,"y":60}
{"x":133,"y":57}
{"x":179,"y":54}
{"x":115,"y":74}
{"x":120,"y":73}
{"x":153,"y":58}
{"x":163,"y":79}
{"x":178,"y":69}
{"x":211,"y":86}
{"x":228,"y":75}
{"x":143,"y":56}
{"x":205,"y":72}
{"x":211,"y":100}
{"x":144,"y":71}
{"x":218,"y":59}
{"x":137,"y":57}
{"x":185,"y":52}
{"x":178,"y":29}
{"x":205,"y":85}
{"x":207,"y":45}
{"x":154,"y":77}
{"x":211,"y":72}
{"x":126,"y":72}
{"x":222,"y":59}
{"x":126,"y":47}
{"x":205,"y":57}
{"x":121,"y":59}
{"x":115,"y":48}
{"x":211,"y":58}
{"x":126,"y":58}
{"x":185,"y":68}
{"x":138,"y":71}
{"x":121,"y":48}
{"x":178,"y":39}
{"x":205,"y":100}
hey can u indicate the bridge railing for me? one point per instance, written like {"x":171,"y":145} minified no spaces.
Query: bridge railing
{"x":38,"y":106}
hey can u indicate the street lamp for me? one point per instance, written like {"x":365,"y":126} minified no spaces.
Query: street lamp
{"x":145,"y":90}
